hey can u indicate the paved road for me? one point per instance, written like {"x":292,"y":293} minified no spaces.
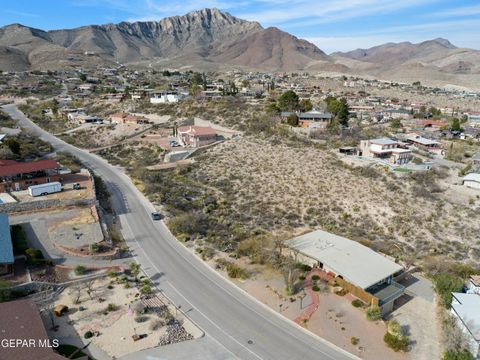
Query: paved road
{"x":227,"y":315}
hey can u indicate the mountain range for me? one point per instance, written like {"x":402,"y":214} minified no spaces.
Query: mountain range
{"x":212,"y":39}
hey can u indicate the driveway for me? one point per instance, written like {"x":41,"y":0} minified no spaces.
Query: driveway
{"x":36,"y":232}
{"x":418,"y":317}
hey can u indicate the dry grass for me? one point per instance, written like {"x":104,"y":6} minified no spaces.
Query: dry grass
{"x":278,"y":187}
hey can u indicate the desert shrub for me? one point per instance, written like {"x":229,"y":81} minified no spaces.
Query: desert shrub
{"x":112,"y":307}
{"x":302,"y":278}
{"x":95,"y":248}
{"x":357,"y":303}
{"x":394,"y":328}
{"x":303,"y":267}
{"x":146,"y":289}
{"x":141,"y":318}
{"x":457,"y":355}
{"x":112,"y":273}
{"x":80,"y":270}
{"x":445,"y":284}
{"x":236,"y":272}
{"x":396,"y":343}
{"x":354,"y":340}
{"x":373,"y":313}
{"x":88,"y":335}
{"x":34,"y":256}
{"x":190,"y":223}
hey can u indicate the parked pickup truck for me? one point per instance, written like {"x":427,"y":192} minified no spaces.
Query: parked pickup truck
{"x":45,"y":189}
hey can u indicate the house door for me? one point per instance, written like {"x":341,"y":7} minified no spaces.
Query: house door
{"x":48,"y":179}
{"x":17,"y":186}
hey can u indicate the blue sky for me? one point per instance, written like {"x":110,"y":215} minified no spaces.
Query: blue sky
{"x":333,"y":25}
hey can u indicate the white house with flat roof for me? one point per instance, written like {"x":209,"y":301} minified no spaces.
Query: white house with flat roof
{"x":466,"y":308}
{"x":351,"y":261}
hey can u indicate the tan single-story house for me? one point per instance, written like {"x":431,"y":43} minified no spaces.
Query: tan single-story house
{"x":196,"y":136}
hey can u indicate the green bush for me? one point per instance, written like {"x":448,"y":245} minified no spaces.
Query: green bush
{"x":95,"y":248}
{"x":80,"y":270}
{"x":457,"y":355}
{"x":303,"y":267}
{"x":112,"y":307}
{"x":397,"y":343}
{"x":373,"y":313}
{"x":315,"y":277}
{"x":302,"y":278}
{"x":445,"y":284}
{"x":112,"y":273}
{"x":394,"y":328}
{"x":88,"y":334}
{"x":34,"y":256}
{"x":315,"y":288}
{"x":357,"y":303}
{"x":146,"y":289}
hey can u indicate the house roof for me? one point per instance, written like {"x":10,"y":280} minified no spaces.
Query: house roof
{"x":383,"y":141}
{"x":197,"y":130}
{"x":355,"y":262}
{"x":472,"y":177}
{"x":423,"y":141}
{"x":468,"y":310}
{"x":21,"y":320}
{"x":314,"y":115}
{"x":6,"y":248}
{"x":28,"y":167}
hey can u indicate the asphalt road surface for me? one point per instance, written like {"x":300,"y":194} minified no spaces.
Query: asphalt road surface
{"x":232,"y":318}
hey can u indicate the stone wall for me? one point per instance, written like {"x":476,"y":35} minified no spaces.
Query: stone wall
{"x":44,"y":204}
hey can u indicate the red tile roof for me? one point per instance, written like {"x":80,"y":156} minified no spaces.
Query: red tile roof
{"x":28,"y":167}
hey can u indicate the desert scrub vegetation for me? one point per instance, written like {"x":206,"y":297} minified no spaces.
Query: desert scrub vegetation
{"x":7,"y":121}
{"x":24,"y":147}
{"x":133,"y":156}
{"x":53,"y":122}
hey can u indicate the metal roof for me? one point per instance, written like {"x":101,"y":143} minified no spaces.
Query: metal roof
{"x":383,"y":141}
{"x":355,"y":262}
{"x":468,"y":310}
{"x":423,"y":141}
{"x":6,"y":247}
{"x":472,"y":177}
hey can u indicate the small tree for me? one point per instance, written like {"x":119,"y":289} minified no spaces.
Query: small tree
{"x":146,"y":289}
{"x":292,"y":120}
{"x":374,"y":313}
{"x":135,"y":269}
{"x":80,"y":270}
{"x":288,"y":101}
{"x":76,"y":292}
